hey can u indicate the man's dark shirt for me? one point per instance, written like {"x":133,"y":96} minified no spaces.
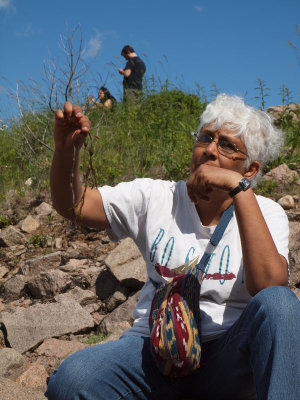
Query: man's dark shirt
{"x":138,"y":68}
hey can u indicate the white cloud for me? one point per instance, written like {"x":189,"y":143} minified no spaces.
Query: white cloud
{"x":27,"y":31}
{"x":6,"y":4}
{"x":198,"y":8}
{"x":94,"y":46}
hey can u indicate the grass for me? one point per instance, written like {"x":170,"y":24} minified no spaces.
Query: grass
{"x":93,"y":339}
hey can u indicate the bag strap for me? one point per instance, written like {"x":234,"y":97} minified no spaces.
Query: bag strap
{"x":215,"y":238}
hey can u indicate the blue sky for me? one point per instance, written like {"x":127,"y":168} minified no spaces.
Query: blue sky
{"x":227,"y":43}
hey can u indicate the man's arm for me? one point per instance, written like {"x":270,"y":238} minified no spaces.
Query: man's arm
{"x":71,"y":128}
{"x":125,"y":72}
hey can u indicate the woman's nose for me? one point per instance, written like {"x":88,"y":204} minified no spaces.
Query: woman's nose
{"x":212,"y":148}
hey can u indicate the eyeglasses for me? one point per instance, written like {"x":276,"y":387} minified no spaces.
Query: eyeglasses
{"x":224,"y":146}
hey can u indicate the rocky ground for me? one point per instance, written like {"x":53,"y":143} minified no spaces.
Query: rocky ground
{"x":64,"y":288}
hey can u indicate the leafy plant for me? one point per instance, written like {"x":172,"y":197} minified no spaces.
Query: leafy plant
{"x":4,"y":221}
{"x":95,"y":339}
{"x":266,"y":187}
{"x":262,"y":90}
{"x":37,"y":240}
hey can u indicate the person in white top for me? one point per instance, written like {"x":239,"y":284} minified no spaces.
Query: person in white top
{"x":249,"y":318}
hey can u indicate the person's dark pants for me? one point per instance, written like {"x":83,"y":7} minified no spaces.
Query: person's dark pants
{"x":132,"y":96}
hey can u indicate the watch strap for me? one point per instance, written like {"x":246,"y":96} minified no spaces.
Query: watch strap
{"x":243,"y":185}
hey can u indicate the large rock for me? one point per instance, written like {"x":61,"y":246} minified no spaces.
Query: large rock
{"x":35,"y":265}
{"x":59,"y":348}
{"x":44,"y":209}
{"x":287,"y":112}
{"x":3,"y":271}
{"x":294,"y":255}
{"x":120,"y":314}
{"x":287,"y":202}
{"x":27,"y":327}
{"x":75,"y":265}
{"x":48,"y":283}
{"x":35,"y":377}
{"x":83,"y":297}
{"x":14,"y":287}
{"x":127,"y":264}
{"x":105,"y":284}
{"x":30,"y":224}
{"x":10,"y":359}
{"x":119,"y":329}
{"x":282,"y":175}
{"x":10,"y":390}
{"x":11,"y":236}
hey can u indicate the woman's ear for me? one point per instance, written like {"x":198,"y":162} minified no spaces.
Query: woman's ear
{"x":252,"y":170}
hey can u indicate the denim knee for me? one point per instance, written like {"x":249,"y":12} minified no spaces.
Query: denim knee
{"x":278,"y":303}
{"x":70,"y":377}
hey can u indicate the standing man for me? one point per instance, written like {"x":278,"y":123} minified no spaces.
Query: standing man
{"x":133,"y":73}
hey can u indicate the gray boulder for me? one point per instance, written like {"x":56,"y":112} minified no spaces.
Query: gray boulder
{"x":10,"y":359}
{"x":127,"y":264}
{"x":11,"y":236}
{"x":10,"y":390}
{"x":35,"y":265}
{"x":120,"y":314}
{"x":27,"y":327}
{"x":294,"y":255}
{"x":30,"y":224}
{"x":48,"y":283}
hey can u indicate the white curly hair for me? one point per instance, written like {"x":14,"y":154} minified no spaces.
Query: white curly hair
{"x":262,"y":139}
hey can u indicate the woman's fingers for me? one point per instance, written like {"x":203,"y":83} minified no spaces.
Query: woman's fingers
{"x":71,"y":126}
{"x":198,"y":186}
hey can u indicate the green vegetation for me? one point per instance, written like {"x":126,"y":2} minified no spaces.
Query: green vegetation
{"x":151,"y":138}
{"x":4,"y":221}
{"x":37,"y":240}
{"x":95,"y":339}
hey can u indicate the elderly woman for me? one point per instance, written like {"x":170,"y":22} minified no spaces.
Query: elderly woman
{"x":250,"y":320}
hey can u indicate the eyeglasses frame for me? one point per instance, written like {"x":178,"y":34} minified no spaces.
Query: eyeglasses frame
{"x":236,"y":150}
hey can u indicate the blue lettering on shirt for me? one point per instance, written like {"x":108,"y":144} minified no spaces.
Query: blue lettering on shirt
{"x":155,"y":243}
{"x":222,"y":281}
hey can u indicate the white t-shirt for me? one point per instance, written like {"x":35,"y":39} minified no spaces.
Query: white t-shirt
{"x":163,"y":222}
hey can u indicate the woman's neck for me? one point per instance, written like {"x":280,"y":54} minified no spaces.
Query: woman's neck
{"x":210,"y":212}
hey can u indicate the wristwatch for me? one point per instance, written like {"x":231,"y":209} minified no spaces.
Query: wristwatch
{"x":243,"y":185}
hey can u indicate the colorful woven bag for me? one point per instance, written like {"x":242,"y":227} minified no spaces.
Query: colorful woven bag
{"x":174,"y":320}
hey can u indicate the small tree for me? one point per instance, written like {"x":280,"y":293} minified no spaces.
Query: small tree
{"x":37,"y":102}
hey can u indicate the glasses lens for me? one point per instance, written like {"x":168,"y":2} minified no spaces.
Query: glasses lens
{"x":204,"y":139}
{"x":226,"y":147}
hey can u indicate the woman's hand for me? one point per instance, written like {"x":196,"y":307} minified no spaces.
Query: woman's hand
{"x":71,"y":127}
{"x":207,"y":178}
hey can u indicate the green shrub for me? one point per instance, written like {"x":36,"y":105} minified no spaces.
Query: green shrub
{"x":266,"y":187}
{"x":37,"y":240}
{"x":4,"y":221}
{"x":95,"y":339}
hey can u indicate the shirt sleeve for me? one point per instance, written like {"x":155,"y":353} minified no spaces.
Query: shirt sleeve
{"x":130,"y":65}
{"x":278,"y":224}
{"x":126,"y":206}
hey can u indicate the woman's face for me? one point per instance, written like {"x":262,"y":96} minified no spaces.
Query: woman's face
{"x":101,"y":94}
{"x":212,"y":154}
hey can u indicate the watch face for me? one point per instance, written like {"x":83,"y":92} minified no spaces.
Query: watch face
{"x":245,"y":183}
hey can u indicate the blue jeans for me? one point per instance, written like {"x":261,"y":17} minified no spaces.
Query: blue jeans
{"x":257,"y":358}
